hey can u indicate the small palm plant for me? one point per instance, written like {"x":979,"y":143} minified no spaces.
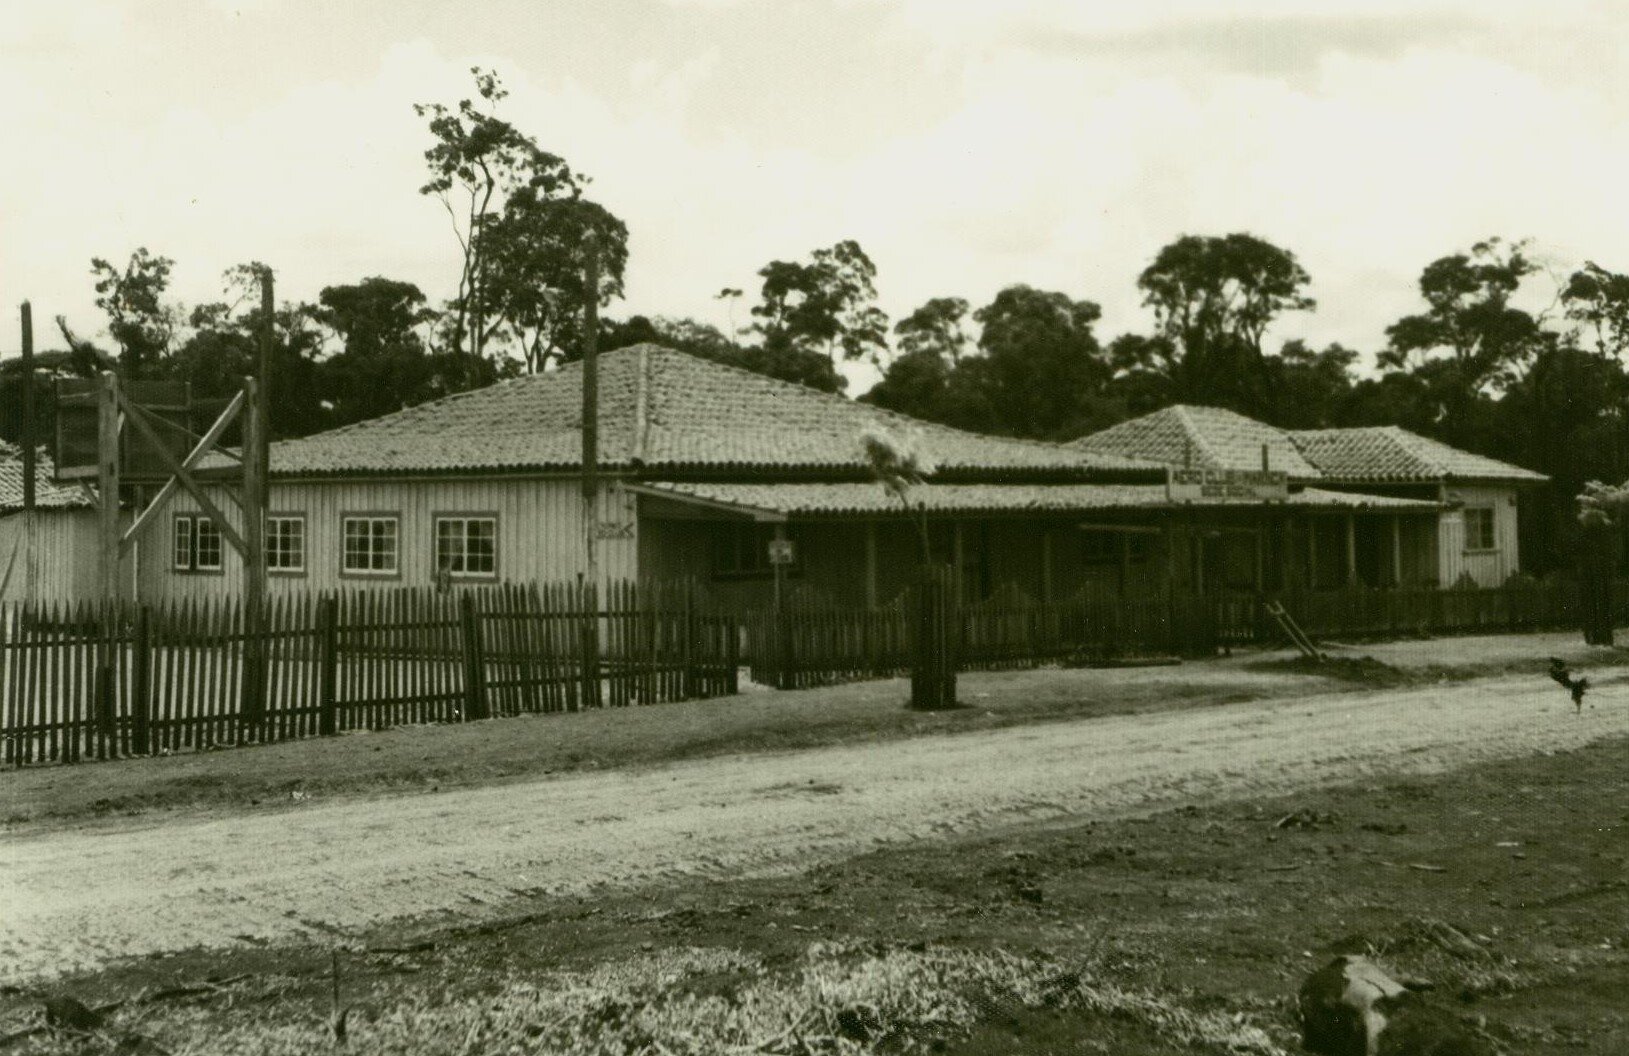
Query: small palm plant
{"x":899,"y":465}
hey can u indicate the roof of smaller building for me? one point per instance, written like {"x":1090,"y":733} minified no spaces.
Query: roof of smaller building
{"x":1203,"y":437}
{"x":48,"y":494}
{"x":866,"y":498}
{"x":1389,"y":454}
{"x":658,"y":409}
{"x":1217,"y":438}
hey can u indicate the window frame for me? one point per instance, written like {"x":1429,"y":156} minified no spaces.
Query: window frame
{"x":298,"y":517}
{"x":192,"y":565}
{"x":1473,"y":544}
{"x":729,"y":540}
{"x":345,"y":519}
{"x":467,"y":517}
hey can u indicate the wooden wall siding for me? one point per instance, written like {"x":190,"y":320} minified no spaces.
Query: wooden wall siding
{"x":540,"y":534}
{"x":64,"y":558}
{"x":1485,"y":568}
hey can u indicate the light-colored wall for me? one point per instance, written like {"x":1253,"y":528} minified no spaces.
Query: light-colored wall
{"x":541,"y":533}
{"x":59,"y":563}
{"x":1488,"y":568}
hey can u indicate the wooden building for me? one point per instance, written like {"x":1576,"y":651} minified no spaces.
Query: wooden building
{"x":704,"y":465}
{"x":49,"y":554}
{"x":1472,"y":539}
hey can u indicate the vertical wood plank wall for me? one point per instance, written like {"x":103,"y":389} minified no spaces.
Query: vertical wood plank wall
{"x":540,"y":533}
{"x":64,"y":557}
{"x":1488,"y":568}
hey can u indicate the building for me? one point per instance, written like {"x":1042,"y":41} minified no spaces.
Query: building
{"x":1473,"y":537}
{"x":48,"y":555}
{"x":703,"y":465}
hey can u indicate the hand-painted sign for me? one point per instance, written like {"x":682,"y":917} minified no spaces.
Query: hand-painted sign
{"x":1240,"y":485}
{"x":782,"y":552}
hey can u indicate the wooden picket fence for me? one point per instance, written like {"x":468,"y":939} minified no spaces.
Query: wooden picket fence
{"x":812,"y":641}
{"x":82,"y":681}
{"x":1521,"y":605}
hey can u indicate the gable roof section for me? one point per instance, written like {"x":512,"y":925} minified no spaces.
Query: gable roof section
{"x":48,"y":494}
{"x":659,"y":410}
{"x":1390,"y":454}
{"x":1208,"y":437}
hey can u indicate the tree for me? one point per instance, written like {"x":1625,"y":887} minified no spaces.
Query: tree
{"x":537,"y":251}
{"x":139,"y":320}
{"x":827,"y":305}
{"x":1312,"y":388}
{"x":384,"y":363}
{"x":1469,"y":320}
{"x":477,"y":162}
{"x":1599,"y":299}
{"x":223,"y":347}
{"x":939,"y":327}
{"x":1213,"y":299}
{"x":1042,"y":368}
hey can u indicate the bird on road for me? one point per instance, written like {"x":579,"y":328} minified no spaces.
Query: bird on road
{"x":1563,"y":677}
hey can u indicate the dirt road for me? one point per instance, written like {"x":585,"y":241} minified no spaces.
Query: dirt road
{"x":75,"y":899}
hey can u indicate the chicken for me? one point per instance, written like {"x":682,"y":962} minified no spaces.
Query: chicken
{"x":1562,"y":677}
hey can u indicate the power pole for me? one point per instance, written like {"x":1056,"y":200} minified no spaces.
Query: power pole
{"x":256,"y":460}
{"x":107,"y":494}
{"x":591,"y":406}
{"x":591,"y":468}
{"x":30,"y":466}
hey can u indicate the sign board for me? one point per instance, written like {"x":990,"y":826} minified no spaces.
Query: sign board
{"x":782,"y":552}
{"x":76,"y":449}
{"x":614,"y":530}
{"x":1237,"y":485}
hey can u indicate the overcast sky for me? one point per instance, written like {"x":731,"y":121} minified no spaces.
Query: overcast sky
{"x":966,"y":146}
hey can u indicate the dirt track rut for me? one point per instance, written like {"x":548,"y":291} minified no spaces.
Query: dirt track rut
{"x":76,"y":899}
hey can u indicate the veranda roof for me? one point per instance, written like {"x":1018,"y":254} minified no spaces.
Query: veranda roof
{"x":780,"y":501}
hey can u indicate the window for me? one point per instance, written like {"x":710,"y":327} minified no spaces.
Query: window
{"x":467,"y":547}
{"x":1479,"y":528}
{"x":370,"y":546}
{"x":198,"y":545}
{"x":285,"y":543}
{"x":742,"y":550}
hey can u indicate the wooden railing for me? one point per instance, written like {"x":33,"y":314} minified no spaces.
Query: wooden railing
{"x":80,"y":682}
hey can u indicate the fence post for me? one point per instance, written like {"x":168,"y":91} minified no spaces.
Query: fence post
{"x":474,"y":661}
{"x":328,"y":666}
{"x":687,"y":644}
{"x":588,"y":645}
{"x":141,"y":687}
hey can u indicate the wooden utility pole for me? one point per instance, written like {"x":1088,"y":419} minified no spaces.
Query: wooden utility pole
{"x":30,"y":457}
{"x":29,"y":441}
{"x":107,"y":495}
{"x":591,"y":468}
{"x":591,"y":407}
{"x":255,"y":466}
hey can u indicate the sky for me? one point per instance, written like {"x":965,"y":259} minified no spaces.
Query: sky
{"x":965,"y":146}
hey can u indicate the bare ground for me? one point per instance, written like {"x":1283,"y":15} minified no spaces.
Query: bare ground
{"x":75,"y":900}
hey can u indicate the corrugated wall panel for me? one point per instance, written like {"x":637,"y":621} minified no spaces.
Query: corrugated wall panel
{"x":541,"y":533}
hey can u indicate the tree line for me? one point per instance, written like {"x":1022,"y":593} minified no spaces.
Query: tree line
{"x":1470,"y":365}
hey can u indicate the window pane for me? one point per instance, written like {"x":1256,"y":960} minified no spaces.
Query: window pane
{"x":208,"y":544}
{"x":183,"y":543}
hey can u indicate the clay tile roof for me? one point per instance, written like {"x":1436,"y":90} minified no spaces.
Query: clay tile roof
{"x":1209,"y":437}
{"x":659,"y":409}
{"x":1387,"y":454}
{"x":48,"y":494}
{"x":864,"y":498}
